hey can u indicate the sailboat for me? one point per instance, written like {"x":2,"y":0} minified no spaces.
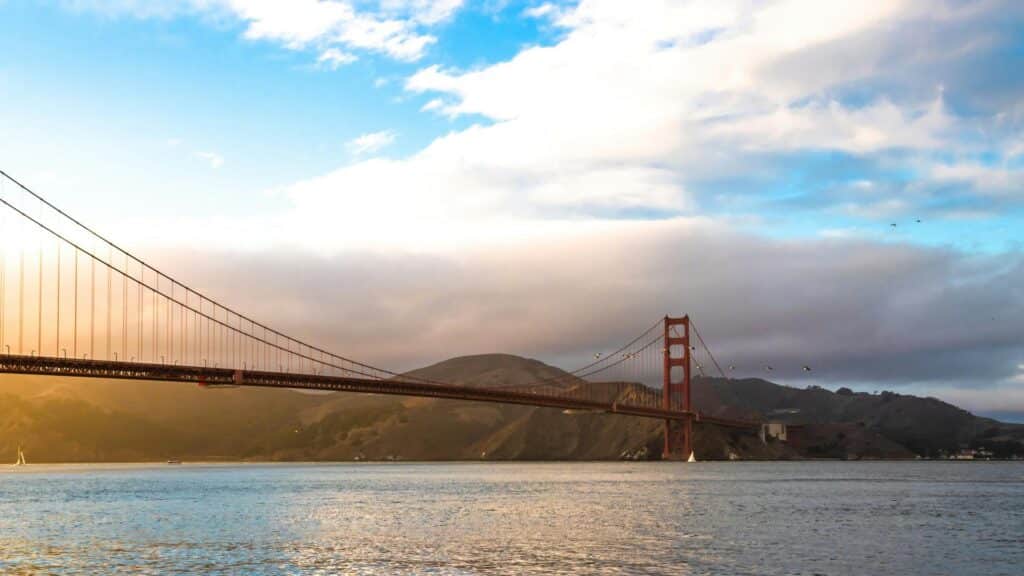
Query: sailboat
{"x":21,"y":458}
{"x":691,"y":458}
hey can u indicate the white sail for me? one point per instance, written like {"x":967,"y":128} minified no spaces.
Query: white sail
{"x":691,"y":458}
{"x":21,"y":457}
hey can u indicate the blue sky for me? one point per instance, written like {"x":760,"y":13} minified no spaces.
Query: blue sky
{"x":153,"y":92}
{"x":480,"y":137}
{"x":156,"y":89}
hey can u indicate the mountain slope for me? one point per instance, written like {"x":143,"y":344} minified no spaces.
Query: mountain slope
{"x":59,"y":419}
{"x":923,"y":426}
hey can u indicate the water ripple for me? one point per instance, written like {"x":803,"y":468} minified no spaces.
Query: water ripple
{"x":620,"y":518}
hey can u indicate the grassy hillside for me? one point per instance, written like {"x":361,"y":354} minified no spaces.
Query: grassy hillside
{"x":79,"y":420}
{"x":91,"y":420}
{"x":892,"y":422}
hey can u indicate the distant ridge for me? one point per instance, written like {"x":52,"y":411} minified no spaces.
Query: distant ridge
{"x":918,"y":426}
{"x":67,"y":420}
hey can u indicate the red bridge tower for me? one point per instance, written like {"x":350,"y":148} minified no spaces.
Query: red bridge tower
{"x":676,"y":389}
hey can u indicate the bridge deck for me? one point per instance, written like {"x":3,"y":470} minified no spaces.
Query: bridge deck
{"x":72,"y":367}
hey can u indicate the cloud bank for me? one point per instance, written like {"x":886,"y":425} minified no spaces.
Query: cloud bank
{"x":859,"y":312}
{"x":668,"y":109}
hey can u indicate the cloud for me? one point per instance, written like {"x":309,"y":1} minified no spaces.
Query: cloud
{"x":857,"y":311}
{"x":301,"y":23}
{"x":1002,"y":401}
{"x":615,"y":130}
{"x":876,"y":210}
{"x":678,"y":94}
{"x":700,"y":89}
{"x":395,"y":28}
{"x":370,"y":142}
{"x":424,"y":11}
{"x":1015,"y":148}
{"x":831,"y":126}
{"x":435,"y":104}
{"x":212,"y":158}
{"x":1019,"y":377}
{"x":545,"y":10}
{"x":1000,"y":181}
{"x":662,"y":110}
{"x":333,"y":58}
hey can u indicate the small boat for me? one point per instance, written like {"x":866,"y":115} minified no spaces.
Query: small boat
{"x":174,"y":462}
{"x":21,"y":458}
{"x":691,"y":458}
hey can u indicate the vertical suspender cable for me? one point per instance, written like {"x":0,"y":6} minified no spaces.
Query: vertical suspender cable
{"x":172,"y":354}
{"x":74,"y":344}
{"x":154,"y":317}
{"x":138,"y":318}
{"x":109,"y":300}
{"x":124,"y":312}
{"x":57,"y":349}
{"x":21,"y":295}
{"x":92,"y":308}
{"x":39,"y":302}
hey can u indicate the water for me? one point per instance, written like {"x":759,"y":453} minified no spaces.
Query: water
{"x":617,"y":518}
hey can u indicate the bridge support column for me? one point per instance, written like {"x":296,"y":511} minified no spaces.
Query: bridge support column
{"x":676,"y":388}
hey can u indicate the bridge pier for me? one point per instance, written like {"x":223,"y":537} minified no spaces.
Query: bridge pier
{"x":676,"y":388}
{"x":678,"y":443}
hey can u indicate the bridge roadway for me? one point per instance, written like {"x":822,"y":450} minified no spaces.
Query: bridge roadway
{"x":83,"y":368}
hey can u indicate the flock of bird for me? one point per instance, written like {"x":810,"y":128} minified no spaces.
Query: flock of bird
{"x":894,"y":225}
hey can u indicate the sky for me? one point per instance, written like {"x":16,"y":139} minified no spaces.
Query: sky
{"x":407,"y":180}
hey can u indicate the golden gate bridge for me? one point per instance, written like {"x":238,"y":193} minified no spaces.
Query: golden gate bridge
{"x":75,"y":304}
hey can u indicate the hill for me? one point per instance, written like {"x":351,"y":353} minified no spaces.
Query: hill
{"x":79,"y":420}
{"x":69,"y":420}
{"x":838,"y":424}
